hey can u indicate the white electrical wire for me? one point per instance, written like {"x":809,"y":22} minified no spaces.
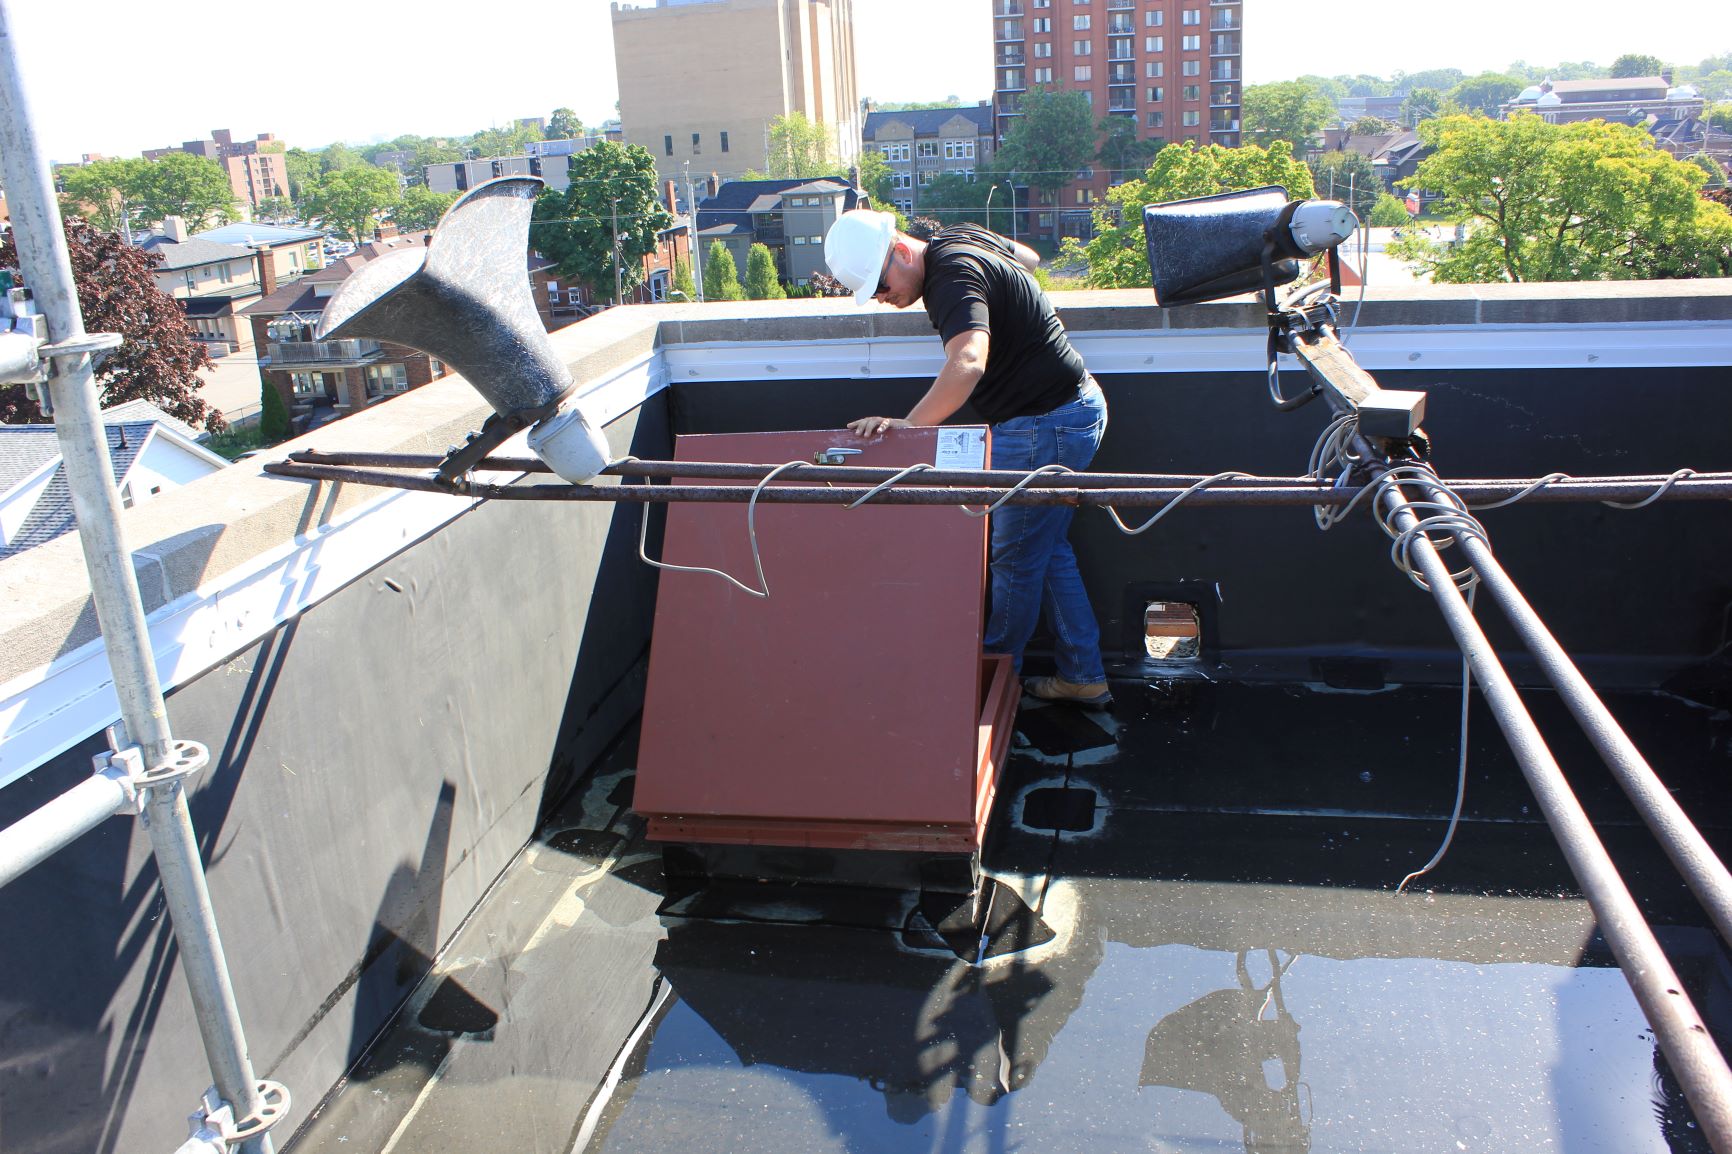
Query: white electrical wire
{"x":751,"y":532}
{"x":1460,"y":772}
{"x":1173,"y":504}
{"x":1019,"y":486}
{"x":1364,"y":272}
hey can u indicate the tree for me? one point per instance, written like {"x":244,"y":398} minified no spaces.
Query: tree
{"x":877,"y":178}
{"x":611,"y":185}
{"x":1336,"y":174}
{"x":1634,"y":64}
{"x":274,"y":423}
{"x":1373,"y":126}
{"x":275,"y":208}
{"x":799,"y":148}
{"x":104,"y":192}
{"x":302,"y":169}
{"x":564,"y":124}
{"x":1389,"y":212}
{"x":721,"y":275}
{"x":684,"y":285}
{"x":1549,"y":202}
{"x":1289,"y":110}
{"x":762,"y":284}
{"x":503,"y":141}
{"x":1121,"y":153}
{"x":1488,"y":92}
{"x":1051,"y":141}
{"x":191,"y":187}
{"x":352,"y":199}
{"x":952,"y":197}
{"x":1440,"y":78}
{"x":1421,"y":104}
{"x":1719,"y":117}
{"x":420,"y":208}
{"x":158,"y":360}
{"x":1118,"y":256}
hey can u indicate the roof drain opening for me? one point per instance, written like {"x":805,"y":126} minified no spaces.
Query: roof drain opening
{"x":1172,"y":631}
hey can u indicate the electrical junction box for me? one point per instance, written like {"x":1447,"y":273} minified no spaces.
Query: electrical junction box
{"x":851,"y":709}
{"x":1392,"y":413}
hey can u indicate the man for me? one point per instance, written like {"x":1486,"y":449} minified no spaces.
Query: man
{"x":1006,"y":353}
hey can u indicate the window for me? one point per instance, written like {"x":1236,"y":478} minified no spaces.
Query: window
{"x":1157,"y":118}
{"x":1193,"y":92}
{"x":1082,"y":47}
{"x":697,"y":145}
{"x":1191,"y":16}
{"x":904,"y":206}
{"x":1154,"y":44}
{"x":724,"y":141}
{"x":903,"y":180}
{"x":1044,"y":219}
{"x":1155,"y":18}
{"x":1191,"y":67}
{"x":553,"y":290}
{"x":1154,"y":69}
{"x":926,"y":176}
{"x":1080,"y":22}
{"x":387,"y":380}
{"x":1042,"y":3}
{"x":1008,"y":78}
{"x":1042,"y":50}
{"x":306,"y":384}
{"x":1192,"y":44}
{"x":1085,"y":196}
{"x":896,"y":152}
{"x":1156,"y":94}
{"x":1193,"y":118}
{"x":573,"y":296}
{"x":1043,"y":23}
{"x":964,"y":149}
{"x":930,"y":147}
{"x":799,"y":240}
{"x":1083,"y":72}
{"x":1043,"y":75}
{"x":668,"y":143}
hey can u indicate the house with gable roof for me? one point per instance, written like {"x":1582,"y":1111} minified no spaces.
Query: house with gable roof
{"x":789,"y":217}
{"x":150,"y":452}
{"x":922,"y":143}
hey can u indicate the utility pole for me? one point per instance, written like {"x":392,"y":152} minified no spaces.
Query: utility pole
{"x":616,"y":278}
{"x":692,"y":234}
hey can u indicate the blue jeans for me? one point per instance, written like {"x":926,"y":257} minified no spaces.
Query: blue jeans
{"x":1033,"y":566}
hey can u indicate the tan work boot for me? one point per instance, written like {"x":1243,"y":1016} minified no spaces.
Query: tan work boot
{"x":1088,"y":694}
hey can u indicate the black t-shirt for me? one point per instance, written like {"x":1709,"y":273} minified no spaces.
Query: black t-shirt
{"x":973,"y":282}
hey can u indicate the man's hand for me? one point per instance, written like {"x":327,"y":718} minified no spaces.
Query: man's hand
{"x":876,"y":426}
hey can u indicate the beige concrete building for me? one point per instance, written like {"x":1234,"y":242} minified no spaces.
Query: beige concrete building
{"x":700,"y":80}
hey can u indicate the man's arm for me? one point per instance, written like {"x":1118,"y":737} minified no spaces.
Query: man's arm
{"x":1025,"y":256}
{"x":964,"y":363}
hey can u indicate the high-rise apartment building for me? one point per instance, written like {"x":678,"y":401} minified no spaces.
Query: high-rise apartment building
{"x":1171,"y":66}
{"x":701,"y":80}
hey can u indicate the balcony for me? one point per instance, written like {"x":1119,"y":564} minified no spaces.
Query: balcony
{"x":1224,"y":125}
{"x":326,"y":354}
{"x":1121,"y":26}
{"x":1009,"y":30}
{"x":1011,"y":56}
{"x":1225,"y":44}
{"x":1227,"y":20}
{"x":1224,"y":70}
{"x":1003,"y":8}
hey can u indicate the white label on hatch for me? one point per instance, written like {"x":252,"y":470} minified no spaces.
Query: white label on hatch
{"x":961,"y":448}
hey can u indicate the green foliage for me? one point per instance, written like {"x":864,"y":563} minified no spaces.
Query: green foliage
{"x":303,"y":169}
{"x":1719,"y":117}
{"x":503,"y":141}
{"x":336,"y":157}
{"x":1289,"y":110}
{"x":612,"y":185}
{"x":1716,"y":176}
{"x":913,"y":105}
{"x":1545,"y":202}
{"x":352,"y":199}
{"x":762,"y":284}
{"x":951,"y":198}
{"x":158,"y":359}
{"x":1334,"y":89}
{"x":800,"y":148}
{"x":721,"y":275}
{"x":683,"y":282}
{"x":1486,"y":93}
{"x":275,"y":208}
{"x":191,"y":187}
{"x":1564,"y":70}
{"x":1421,"y":104}
{"x":1635,"y":64}
{"x":1052,"y":141}
{"x":105,"y":192}
{"x":1389,"y":212}
{"x":420,"y":208}
{"x":564,"y":124}
{"x":274,"y":424}
{"x":1374,"y":126}
{"x":877,"y":178}
{"x":1336,"y":173}
{"x":1121,"y":153}
{"x":1118,"y":258}
{"x":1440,"y":78}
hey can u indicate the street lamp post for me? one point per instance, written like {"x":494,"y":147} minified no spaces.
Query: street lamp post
{"x":989,"y":193}
{"x":1012,"y":188}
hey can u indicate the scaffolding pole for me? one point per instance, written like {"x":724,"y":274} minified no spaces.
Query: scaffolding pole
{"x":47,"y":268}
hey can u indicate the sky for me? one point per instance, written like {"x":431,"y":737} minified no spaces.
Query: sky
{"x":130,"y":76}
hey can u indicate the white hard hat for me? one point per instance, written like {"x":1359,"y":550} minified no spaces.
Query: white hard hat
{"x":856,"y":247}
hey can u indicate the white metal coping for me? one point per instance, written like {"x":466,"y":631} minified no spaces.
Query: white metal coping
{"x":47,"y":711}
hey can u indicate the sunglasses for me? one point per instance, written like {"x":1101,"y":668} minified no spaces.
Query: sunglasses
{"x":884,"y":277}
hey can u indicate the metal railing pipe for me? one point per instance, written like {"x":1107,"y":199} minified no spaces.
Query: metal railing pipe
{"x":1700,"y":866}
{"x":1695,"y":1059}
{"x":47,"y":268}
{"x":51,"y":828}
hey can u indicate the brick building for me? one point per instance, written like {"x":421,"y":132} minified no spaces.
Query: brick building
{"x":255,"y":167}
{"x":1171,"y":66}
